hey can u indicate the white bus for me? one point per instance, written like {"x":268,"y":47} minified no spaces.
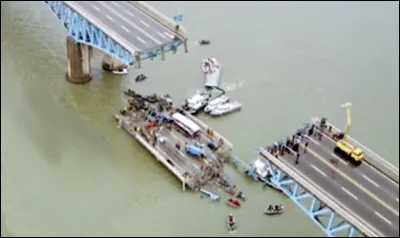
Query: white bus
{"x":185,"y":124}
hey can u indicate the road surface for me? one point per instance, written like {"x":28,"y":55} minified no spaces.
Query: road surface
{"x":127,"y":23}
{"x":367,"y":176}
{"x":376,"y":205}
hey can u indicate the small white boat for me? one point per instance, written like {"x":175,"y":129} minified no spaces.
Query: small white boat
{"x":214,"y":103}
{"x":212,"y":71}
{"x":260,"y":168}
{"x":122,"y":71}
{"x":196,"y":102}
{"x":226,"y":108}
{"x":275,"y":211}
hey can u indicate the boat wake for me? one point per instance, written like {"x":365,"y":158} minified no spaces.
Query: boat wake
{"x":193,"y":45}
{"x":232,"y":86}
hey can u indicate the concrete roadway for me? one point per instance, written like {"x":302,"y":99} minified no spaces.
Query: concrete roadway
{"x":364,"y":174}
{"x":347,"y":191}
{"x":190,"y":165}
{"x":129,"y":24}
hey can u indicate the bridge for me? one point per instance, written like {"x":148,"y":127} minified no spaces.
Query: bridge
{"x":341,"y":198}
{"x":126,"y":31}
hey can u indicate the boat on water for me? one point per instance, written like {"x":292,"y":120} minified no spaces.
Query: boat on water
{"x":198,"y":101}
{"x":121,"y":71}
{"x":214,"y":103}
{"x":274,"y":211}
{"x":140,"y":77}
{"x":204,"y":42}
{"x":259,"y":171}
{"x":230,"y":225}
{"x":241,"y":196}
{"x":233,"y":202}
{"x":226,"y":108}
{"x":212,"y":71}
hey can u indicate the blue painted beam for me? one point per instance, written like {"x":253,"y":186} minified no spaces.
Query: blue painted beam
{"x":82,"y":31}
{"x":316,"y":210}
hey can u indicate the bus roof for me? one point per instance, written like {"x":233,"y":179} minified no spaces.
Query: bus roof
{"x":186,"y":121}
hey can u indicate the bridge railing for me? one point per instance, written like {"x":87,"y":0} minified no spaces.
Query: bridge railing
{"x":103,"y":28}
{"x":321,"y":195}
{"x":160,"y":18}
{"x":375,"y":160}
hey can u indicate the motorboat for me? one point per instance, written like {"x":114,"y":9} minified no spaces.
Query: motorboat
{"x":140,"y":77}
{"x":230,"y":225}
{"x":261,"y":170}
{"x":226,"y":108}
{"x":233,"y":202}
{"x":212,"y":71}
{"x":197,"y":102}
{"x":215,"y":102}
{"x":241,"y":196}
{"x":274,"y":211}
{"x":120,"y":71}
{"x":204,"y":42}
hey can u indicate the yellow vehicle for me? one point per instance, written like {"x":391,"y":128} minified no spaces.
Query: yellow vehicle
{"x":344,"y":147}
{"x":355,"y":154}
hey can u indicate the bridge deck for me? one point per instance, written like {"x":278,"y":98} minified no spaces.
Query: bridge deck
{"x":126,"y":22}
{"x":363,"y":190}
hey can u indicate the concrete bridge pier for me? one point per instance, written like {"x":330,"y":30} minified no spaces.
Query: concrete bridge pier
{"x":79,"y":66}
{"x":109,"y":63}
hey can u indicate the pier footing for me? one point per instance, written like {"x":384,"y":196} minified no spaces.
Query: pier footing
{"x":109,"y":63}
{"x":79,"y":65}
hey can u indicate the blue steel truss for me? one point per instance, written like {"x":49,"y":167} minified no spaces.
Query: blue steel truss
{"x":324,"y":217}
{"x":82,"y":31}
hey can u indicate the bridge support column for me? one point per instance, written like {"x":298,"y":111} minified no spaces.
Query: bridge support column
{"x":109,"y":63}
{"x":185,"y":45}
{"x":162,"y":53}
{"x":79,"y":67}
{"x":137,"y":59}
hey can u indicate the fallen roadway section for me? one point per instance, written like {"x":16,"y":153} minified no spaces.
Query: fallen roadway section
{"x":193,"y":153}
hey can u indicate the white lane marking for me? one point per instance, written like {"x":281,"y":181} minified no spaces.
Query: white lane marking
{"x":383,"y":218}
{"x":96,"y":8}
{"x":160,"y":34}
{"x":370,"y":180}
{"x":125,"y":29}
{"x":314,"y":141}
{"x":141,"y":40}
{"x":372,"y":168}
{"x":349,"y":193}
{"x":167,"y":34}
{"x":111,"y":19}
{"x":318,"y":170}
{"x":340,"y":160}
{"x":144,"y":23}
{"x":381,"y":174}
{"x":130,"y":13}
{"x":131,"y":23}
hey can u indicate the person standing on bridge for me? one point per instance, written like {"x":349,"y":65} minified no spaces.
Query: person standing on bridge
{"x":297,"y":158}
{"x":305,"y":147}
